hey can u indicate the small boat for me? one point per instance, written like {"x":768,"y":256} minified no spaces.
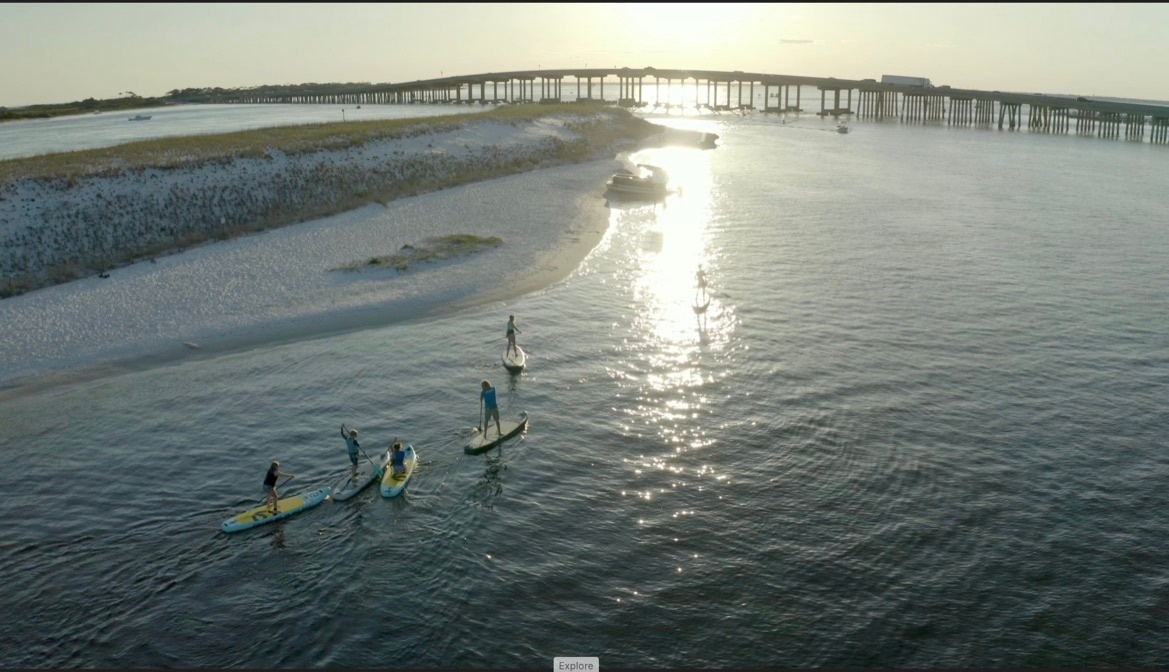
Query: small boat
{"x":651,"y":181}
{"x":842,"y":127}
{"x":140,"y":118}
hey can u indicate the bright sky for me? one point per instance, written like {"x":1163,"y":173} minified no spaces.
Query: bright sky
{"x":54,"y":53}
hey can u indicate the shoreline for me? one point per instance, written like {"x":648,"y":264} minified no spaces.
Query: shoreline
{"x":555,"y":254}
{"x":64,"y":217}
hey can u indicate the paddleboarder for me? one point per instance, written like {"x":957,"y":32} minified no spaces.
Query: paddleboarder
{"x":511,"y":332}
{"x":351,"y":443}
{"x":271,"y":497}
{"x":397,"y":458}
{"x":490,"y":408}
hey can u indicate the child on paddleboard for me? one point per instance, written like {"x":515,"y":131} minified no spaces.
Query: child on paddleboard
{"x":491,"y":409}
{"x":512,"y":330}
{"x":397,"y":458}
{"x":351,"y":443}
{"x":271,"y":497}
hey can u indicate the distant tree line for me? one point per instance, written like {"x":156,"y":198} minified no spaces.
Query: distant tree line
{"x":129,"y":100}
{"x":214,"y":94}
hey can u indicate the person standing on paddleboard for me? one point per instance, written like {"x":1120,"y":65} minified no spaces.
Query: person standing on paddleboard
{"x":351,"y":443}
{"x":271,"y":497}
{"x":490,"y":408}
{"x":512,"y":330}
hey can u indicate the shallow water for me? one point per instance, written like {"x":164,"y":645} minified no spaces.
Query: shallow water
{"x":920,"y":425}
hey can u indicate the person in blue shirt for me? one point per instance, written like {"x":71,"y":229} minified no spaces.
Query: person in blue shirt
{"x":350,"y":436}
{"x":512,"y":330}
{"x":490,"y":408}
{"x":397,"y":458}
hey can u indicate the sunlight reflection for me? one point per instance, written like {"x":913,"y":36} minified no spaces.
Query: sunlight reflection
{"x":671,"y":355}
{"x":666,"y":285}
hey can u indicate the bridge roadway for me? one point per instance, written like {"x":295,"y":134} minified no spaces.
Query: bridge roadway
{"x":1050,"y":113}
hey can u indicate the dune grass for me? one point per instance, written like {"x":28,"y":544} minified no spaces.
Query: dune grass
{"x":433,"y":249}
{"x":174,"y":152}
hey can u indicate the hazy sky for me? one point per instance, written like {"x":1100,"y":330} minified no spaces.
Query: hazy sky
{"x":54,"y":53}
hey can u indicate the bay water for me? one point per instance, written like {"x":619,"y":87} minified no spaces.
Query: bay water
{"x":921,"y":424}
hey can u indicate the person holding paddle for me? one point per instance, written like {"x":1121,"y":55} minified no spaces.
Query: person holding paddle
{"x":351,"y":443}
{"x":512,"y":330}
{"x":271,"y":497}
{"x":490,"y":408}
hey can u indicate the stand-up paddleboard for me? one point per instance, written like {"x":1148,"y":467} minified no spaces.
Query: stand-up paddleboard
{"x":367,"y":472}
{"x":514,"y":362}
{"x":393,"y":484}
{"x":484,"y":441}
{"x":287,"y":507}
{"x":701,"y":302}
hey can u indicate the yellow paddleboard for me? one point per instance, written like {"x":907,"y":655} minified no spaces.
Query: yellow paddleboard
{"x":287,"y":506}
{"x":393,"y":484}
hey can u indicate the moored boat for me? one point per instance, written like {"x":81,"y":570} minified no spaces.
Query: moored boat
{"x":651,"y":181}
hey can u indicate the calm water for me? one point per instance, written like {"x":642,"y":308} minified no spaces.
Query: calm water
{"x":921,"y":425}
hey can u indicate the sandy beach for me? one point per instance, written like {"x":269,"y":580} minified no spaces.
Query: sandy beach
{"x":297,"y":280}
{"x":283,"y":285}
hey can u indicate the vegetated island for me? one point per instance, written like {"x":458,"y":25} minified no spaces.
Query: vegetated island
{"x":70,"y":215}
{"x":128,"y":100}
{"x":447,"y":247}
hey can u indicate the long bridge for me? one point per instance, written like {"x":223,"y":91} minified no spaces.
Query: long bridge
{"x":719,"y":90}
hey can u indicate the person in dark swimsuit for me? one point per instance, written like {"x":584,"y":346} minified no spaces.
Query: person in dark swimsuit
{"x":512,"y":330}
{"x":271,"y":497}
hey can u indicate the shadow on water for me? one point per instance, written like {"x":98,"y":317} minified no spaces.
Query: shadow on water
{"x":490,"y":485}
{"x":513,"y":380}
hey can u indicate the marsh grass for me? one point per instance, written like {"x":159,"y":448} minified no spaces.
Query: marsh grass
{"x":433,"y":249}
{"x":176,"y":152}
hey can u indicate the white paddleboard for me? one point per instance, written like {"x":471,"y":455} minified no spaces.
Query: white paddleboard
{"x":514,"y":362}
{"x":367,"y":472}
{"x":481,"y":442}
